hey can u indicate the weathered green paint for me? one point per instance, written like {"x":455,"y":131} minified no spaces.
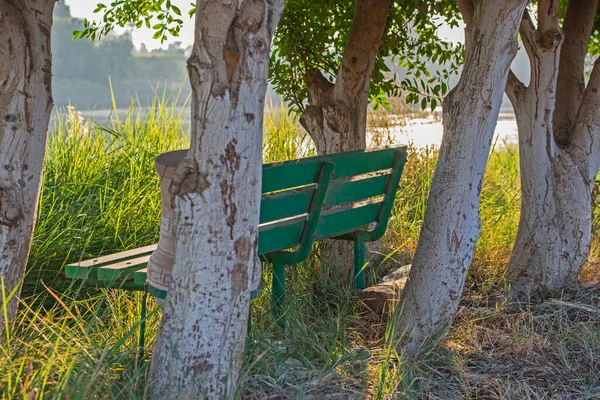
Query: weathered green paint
{"x":289,"y":174}
{"x":278,"y":295}
{"x":285,"y":204}
{"x":345,"y":220}
{"x":140,"y":276}
{"x":343,"y":191}
{"x":122,"y":270}
{"x":388,"y":199}
{"x":88,"y":269}
{"x":279,"y":237}
{"x":359,"y":264}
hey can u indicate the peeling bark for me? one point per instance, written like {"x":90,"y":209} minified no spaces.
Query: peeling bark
{"x":558,"y":122}
{"x":452,"y":225}
{"x":216,"y":192}
{"x":25,"y":106}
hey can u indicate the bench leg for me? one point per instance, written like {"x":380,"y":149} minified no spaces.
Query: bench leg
{"x":359,"y":264}
{"x":278,"y":292}
{"x":143,"y":326}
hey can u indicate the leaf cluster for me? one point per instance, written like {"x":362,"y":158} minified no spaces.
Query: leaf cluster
{"x":139,"y":12}
{"x":312,"y":36}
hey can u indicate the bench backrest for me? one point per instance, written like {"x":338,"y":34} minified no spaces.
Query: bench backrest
{"x":327,"y":196}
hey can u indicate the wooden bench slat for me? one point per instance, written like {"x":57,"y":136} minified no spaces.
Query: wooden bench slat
{"x":122,"y":269}
{"x":280,"y":236}
{"x":342,"y":220}
{"x":117,"y":256}
{"x":285,"y":204}
{"x":289,"y":174}
{"x":358,"y":163}
{"x":349,"y":191}
{"x":88,"y":269}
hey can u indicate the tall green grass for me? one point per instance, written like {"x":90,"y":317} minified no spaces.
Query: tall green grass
{"x":100,"y":195}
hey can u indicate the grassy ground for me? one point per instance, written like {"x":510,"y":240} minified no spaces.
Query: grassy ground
{"x":100,"y":195}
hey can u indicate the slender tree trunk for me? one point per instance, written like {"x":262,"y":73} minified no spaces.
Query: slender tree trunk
{"x":452,"y":225}
{"x":557,"y":120}
{"x":25,"y":106}
{"x":217,"y":190}
{"x":336,"y":117}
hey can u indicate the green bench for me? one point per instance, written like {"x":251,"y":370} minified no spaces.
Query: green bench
{"x":345,"y":196}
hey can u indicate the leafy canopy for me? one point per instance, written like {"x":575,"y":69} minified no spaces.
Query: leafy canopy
{"x":312,"y":35}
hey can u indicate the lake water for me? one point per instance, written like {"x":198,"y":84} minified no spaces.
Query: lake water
{"x":423,"y":132}
{"x":420,"y":132}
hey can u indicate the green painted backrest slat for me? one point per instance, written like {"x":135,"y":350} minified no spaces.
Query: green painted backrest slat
{"x":279,"y":237}
{"x":289,"y":174}
{"x":361,"y":162}
{"x":348,"y":191}
{"x":343,"y":220}
{"x":293,"y":173}
{"x":285,"y":204}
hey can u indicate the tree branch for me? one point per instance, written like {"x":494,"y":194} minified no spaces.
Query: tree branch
{"x":514,"y":89}
{"x":467,"y":9}
{"x":527,"y":32}
{"x":362,"y":46}
{"x":577,"y":29}
{"x":585,"y":143}
{"x":547,"y":15}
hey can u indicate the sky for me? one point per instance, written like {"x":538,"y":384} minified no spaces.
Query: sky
{"x":85,"y":9}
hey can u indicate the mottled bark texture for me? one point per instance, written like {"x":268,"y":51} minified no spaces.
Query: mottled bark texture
{"x":336,"y":116}
{"x":558,"y":121}
{"x":25,"y":105}
{"x":216,"y":192}
{"x":452,"y":225}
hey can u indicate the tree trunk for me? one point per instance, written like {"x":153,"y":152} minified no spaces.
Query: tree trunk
{"x":452,"y":225}
{"x":336,"y":117}
{"x":25,"y":106}
{"x":217,"y":190}
{"x":557,"y":154}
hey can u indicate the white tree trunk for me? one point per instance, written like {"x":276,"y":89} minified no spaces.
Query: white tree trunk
{"x":217,"y":190}
{"x":558,"y":147}
{"x":25,"y":106}
{"x":452,"y":225}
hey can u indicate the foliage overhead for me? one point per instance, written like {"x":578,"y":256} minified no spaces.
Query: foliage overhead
{"x":139,"y":12}
{"x":312,"y":36}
